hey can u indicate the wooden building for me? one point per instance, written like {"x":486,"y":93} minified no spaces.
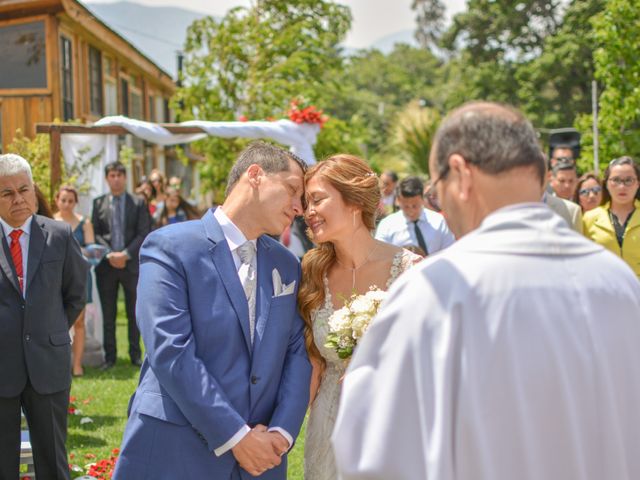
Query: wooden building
{"x":58,"y":61}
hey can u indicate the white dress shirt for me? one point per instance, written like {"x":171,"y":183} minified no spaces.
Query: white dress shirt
{"x":511,"y":355}
{"x":24,"y":244}
{"x":397,"y":230}
{"x":235,"y":238}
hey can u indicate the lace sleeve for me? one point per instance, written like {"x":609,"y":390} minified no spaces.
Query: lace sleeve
{"x":409,"y":259}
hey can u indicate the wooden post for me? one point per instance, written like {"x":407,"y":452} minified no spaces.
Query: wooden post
{"x":55,"y":166}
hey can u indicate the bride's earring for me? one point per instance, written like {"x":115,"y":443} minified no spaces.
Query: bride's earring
{"x":354,"y":219}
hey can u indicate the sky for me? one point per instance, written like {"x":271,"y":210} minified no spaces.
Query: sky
{"x":372,"y":19}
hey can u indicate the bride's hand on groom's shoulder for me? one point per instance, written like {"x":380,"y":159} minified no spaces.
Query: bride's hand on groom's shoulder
{"x":256,"y":452}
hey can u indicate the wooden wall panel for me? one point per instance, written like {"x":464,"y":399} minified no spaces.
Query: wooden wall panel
{"x":23,"y":113}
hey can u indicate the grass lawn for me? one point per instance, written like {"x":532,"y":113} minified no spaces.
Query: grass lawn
{"x":103,"y":397}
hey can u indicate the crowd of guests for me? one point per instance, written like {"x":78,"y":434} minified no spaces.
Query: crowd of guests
{"x":607,"y":207}
{"x":119,"y":222}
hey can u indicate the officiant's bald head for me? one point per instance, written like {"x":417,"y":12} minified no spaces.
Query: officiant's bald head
{"x":485,"y":156}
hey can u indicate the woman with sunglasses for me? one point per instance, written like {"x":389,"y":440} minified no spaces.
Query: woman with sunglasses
{"x":588,"y":192}
{"x":616,"y":223}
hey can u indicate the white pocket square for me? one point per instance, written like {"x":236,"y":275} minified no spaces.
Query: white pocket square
{"x":278,"y":288}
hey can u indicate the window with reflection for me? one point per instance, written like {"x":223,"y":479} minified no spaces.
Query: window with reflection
{"x":95,"y":81}
{"x":23,"y":61}
{"x":66,"y":63}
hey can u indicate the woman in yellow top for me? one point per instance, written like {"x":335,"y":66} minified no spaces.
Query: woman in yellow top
{"x":616,"y":223}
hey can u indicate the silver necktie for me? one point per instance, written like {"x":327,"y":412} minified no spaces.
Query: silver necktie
{"x":247,"y":254}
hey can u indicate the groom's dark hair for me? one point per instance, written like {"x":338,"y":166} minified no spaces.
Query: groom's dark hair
{"x":271,"y":159}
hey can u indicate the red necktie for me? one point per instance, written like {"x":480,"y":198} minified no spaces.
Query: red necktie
{"x":16,"y":254}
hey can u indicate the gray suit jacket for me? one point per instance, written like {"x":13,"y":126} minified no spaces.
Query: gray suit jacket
{"x":34,"y":331}
{"x":570,"y":211}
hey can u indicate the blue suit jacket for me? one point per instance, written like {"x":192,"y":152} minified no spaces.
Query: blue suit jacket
{"x":202,"y":380}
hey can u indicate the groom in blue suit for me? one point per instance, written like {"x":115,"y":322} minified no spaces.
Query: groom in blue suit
{"x":224,"y":386}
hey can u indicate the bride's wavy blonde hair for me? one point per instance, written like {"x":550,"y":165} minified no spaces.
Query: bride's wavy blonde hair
{"x":358,"y":185}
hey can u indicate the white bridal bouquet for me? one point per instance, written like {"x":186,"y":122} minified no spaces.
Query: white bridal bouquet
{"x":348,"y":325}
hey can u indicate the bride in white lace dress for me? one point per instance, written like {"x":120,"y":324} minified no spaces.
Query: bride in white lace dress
{"x":342,"y":196}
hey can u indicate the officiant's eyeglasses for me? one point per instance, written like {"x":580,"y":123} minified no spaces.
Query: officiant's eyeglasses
{"x":441,"y":176}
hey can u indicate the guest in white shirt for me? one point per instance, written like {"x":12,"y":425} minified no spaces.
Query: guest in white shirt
{"x":414,"y":225}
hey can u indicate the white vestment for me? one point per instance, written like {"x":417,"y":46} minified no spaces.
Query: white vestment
{"x":512,"y":355}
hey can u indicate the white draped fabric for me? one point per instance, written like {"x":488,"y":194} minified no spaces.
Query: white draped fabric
{"x":513,"y":354}
{"x":300,"y":138}
{"x":82,"y":147}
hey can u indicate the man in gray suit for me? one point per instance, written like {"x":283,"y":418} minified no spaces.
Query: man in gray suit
{"x":42,"y":290}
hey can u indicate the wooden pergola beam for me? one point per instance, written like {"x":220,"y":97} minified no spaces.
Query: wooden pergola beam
{"x":108,"y":130}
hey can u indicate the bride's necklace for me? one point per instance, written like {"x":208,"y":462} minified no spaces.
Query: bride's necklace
{"x":355,"y":269}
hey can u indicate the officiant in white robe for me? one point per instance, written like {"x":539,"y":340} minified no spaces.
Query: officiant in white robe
{"x":515,"y":353}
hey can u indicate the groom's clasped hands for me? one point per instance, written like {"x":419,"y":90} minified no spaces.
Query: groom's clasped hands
{"x":260,"y":450}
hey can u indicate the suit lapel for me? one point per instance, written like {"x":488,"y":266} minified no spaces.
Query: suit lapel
{"x":265,"y":291}
{"x":6,"y":263}
{"x":223,"y":262}
{"x":36,"y":247}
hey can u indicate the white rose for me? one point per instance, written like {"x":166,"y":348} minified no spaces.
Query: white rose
{"x":359,"y":325}
{"x":376,"y":295}
{"x":340,"y":320}
{"x":362,"y":304}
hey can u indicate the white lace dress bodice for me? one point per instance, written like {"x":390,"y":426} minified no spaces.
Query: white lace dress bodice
{"x":319,"y":463}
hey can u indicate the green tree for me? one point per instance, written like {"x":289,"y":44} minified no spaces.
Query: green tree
{"x":555,"y":87}
{"x":36,"y":152}
{"x":374,"y":87}
{"x":492,"y":38}
{"x":252,"y":62}
{"x":617,"y":33}
{"x":429,"y":21}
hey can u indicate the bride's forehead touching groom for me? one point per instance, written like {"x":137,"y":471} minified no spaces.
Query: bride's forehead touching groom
{"x":225,"y":383}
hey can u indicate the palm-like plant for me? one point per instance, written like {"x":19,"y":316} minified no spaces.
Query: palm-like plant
{"x":413,"y":133}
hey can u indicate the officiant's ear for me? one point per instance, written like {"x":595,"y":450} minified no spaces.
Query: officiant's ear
{"x":461,"y":172}
{"x":254,"y":174}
